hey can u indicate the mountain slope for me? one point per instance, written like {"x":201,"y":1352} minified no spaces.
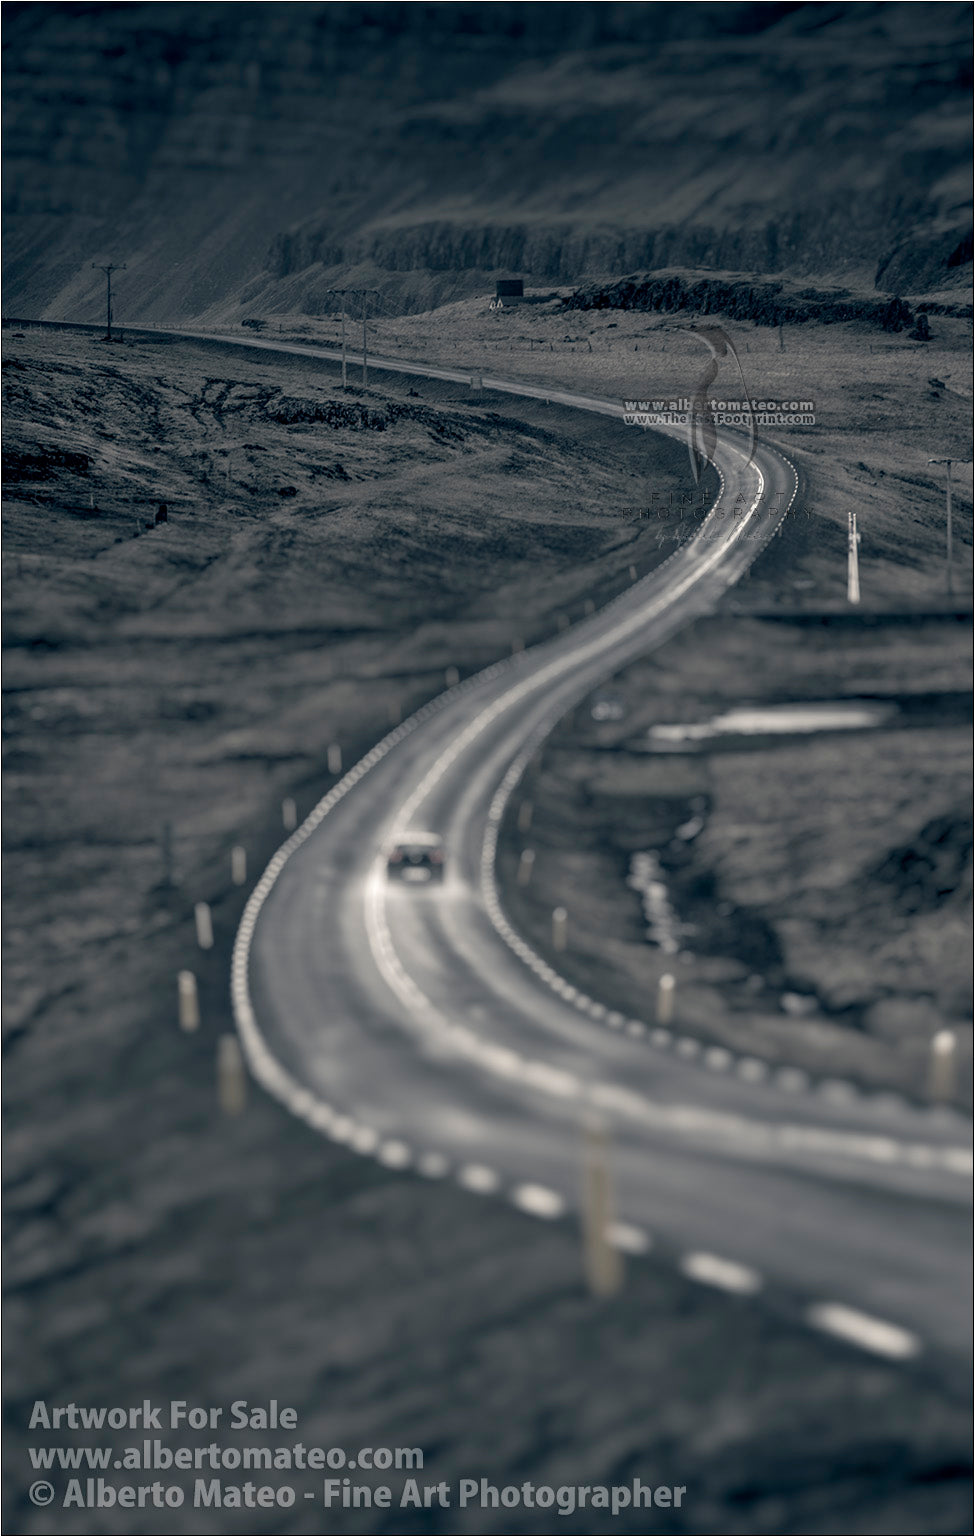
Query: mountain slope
{"x":243,"y":158}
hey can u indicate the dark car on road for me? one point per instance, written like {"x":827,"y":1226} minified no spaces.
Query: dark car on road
{"x":416,"y":857}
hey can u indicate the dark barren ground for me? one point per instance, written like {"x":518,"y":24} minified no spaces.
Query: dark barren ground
{"x":194,"y":674}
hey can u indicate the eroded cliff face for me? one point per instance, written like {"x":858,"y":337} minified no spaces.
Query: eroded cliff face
{"x":243,"y":158}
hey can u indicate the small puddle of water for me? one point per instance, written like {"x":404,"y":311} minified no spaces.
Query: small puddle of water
{"x":778,"y":720}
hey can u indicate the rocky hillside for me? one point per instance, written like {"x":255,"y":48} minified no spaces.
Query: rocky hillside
{"x":243,"y":158}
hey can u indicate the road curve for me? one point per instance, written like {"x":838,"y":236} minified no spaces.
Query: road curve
{"x":415,"y":1026}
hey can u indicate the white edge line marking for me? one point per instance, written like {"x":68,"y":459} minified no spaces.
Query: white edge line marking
{"x":479,"y":1178}
{"x":726,"y":1274}
{"x":629,"y":1238}
{"x":856,"y":1328}
{"x":538,"y":1201}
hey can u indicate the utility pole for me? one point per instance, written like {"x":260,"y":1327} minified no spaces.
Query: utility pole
{"x":112,"y":267}
{"x":853,"y":561}
{"x":949,"y":551}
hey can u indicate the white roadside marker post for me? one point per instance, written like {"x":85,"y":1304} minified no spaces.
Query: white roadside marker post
{"x":289,"y":815}
{"x":189,"y":1002}
{"x":853,"y":561}
{"x":238,"y":865}
{"x":335,"y":759}
{"x":204,"y":925}
{"x":451,"y":677}
{"x":666,"y":988}
{"x":560,"y":923}
{"x":231,"y":1077}
{"x":525,"y":866}
{"x":943,"y":1067}
{"x":525,"y":811}
{"x":602,"y":1262}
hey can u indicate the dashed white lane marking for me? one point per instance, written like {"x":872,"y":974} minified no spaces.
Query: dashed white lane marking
{"x":479,"y":1178}
{"x":687,"y":1046}
{"x":873,"y":1334}
{"x":752,"y":1070}
{"x":433,"y":1165}
{"x":717,"y":1059}
{"x":628,"y":1238}
{"x":538,"y":1201}
{"x":395,"y":1155}
{"x":724,"y":1273}
{"x":792,"y":1079}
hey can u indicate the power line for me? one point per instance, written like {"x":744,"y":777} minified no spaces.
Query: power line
{"x":364,"y":294}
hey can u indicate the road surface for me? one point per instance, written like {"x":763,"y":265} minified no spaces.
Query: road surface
{"x":414,"y":1025}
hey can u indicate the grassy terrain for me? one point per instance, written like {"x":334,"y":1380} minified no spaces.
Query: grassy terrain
{"x":194,"y":673}
{"x":884,"y":406}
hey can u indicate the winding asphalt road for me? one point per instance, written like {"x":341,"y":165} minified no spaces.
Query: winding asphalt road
{"x":414,"y":1025}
